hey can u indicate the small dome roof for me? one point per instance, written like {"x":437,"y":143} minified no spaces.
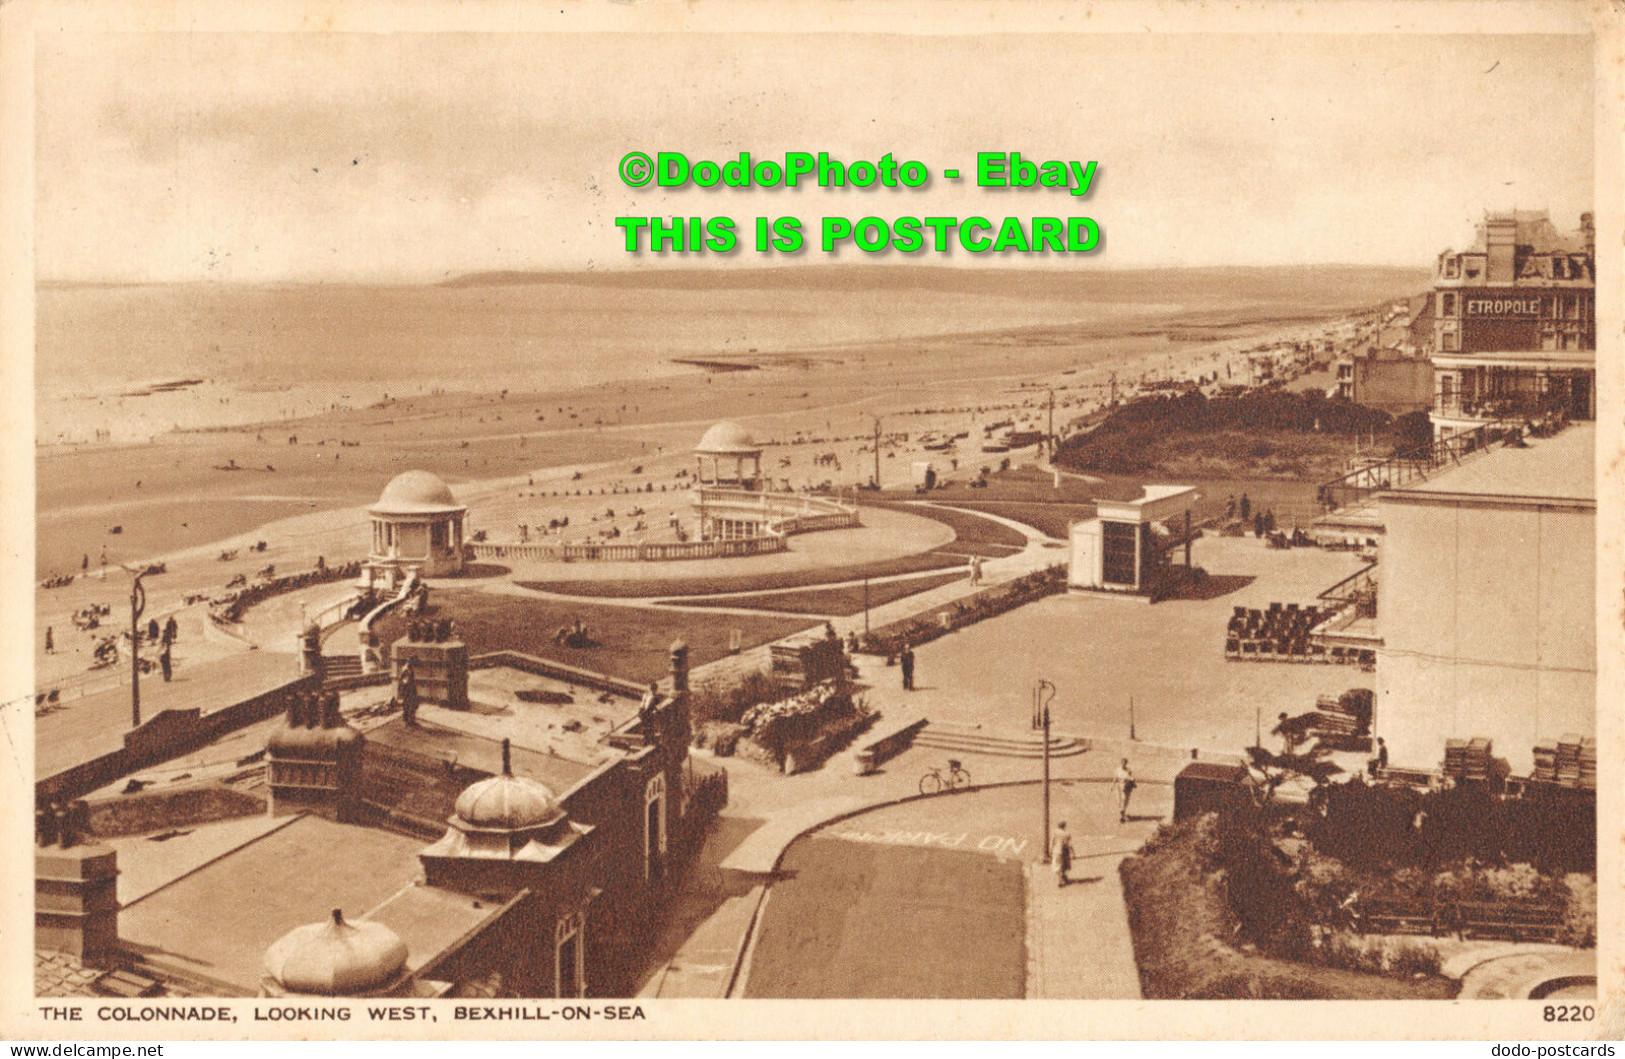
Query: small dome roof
{"x":337,"y":958}
{"x":727,"y":438}
{"x":415,"y":493}
{"x":507,"y":803}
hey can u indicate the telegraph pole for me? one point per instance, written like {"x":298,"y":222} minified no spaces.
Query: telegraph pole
{"x":138,"y":603}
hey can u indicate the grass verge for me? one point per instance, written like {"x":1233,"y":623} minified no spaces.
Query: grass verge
{"x":633,"y":642}
{"x":834,"y":601}
{"x":639,"y":588}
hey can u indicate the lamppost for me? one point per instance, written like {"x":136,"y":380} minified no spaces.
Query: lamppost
{"x":876,"y":418}
{"x":138,"y":604}
{"x":1041,"y":702}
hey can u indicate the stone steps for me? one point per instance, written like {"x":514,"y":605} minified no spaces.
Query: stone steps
{"x":337,"y":666}
{"x":974,"y":741}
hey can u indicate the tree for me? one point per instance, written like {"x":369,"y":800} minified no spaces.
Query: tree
{"x":1271,"y":770}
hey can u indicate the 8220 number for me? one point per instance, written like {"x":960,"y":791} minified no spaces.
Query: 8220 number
{"x":1568,"y":1013}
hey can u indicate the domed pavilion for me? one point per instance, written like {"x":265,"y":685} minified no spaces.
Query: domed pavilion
{"x":729,"y":457}
{"x":417,"y":527}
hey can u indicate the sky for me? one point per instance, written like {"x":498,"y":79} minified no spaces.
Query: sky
{"x":254,"y":157}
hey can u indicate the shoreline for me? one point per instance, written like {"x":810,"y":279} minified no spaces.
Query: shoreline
{"x":482,"y":441}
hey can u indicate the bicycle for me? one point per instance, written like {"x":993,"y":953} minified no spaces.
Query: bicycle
{"x":937,"y":780}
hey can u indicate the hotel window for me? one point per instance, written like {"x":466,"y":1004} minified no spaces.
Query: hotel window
{"x":1447,"y":304}
{"x":569,"y":955}
{"x":1452,"y":267}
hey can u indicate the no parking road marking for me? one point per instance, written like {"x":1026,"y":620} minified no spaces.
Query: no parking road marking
{"x":998,"y":845}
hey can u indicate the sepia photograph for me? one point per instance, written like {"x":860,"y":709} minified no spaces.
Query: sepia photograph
{"x":541,"y":517}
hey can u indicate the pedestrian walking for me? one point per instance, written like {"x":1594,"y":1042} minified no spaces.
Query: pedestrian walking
{"x":164,"y":663}
{"x":172,"y":630}
{"x":84,"y":564}
{"x":1124,"y":781}
{"x":1246,"y":507}
{"x":908,"y":668}
{"x":1060,"y":853}
{"x":50,"y":642}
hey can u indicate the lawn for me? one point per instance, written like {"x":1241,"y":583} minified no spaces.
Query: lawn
{"x":634,"y":642}
{"x":1176,"y":906}
{"x":850,"y":920}
{"x":663,"y":588}
{"x":829,"y":601}
{"x":1024,"y":483}
{"x":973,"y":535}
{"x":1050,"y":519}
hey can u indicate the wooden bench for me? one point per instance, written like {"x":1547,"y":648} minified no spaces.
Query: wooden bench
{"x":1517,"y":920}
{"x":1398,"y":917}
{"x":1396,"y":775}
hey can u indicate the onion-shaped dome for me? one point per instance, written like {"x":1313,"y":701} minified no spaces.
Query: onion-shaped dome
{"x":337,"y":958}
{"x":507,"y":802}
{"x":727,"y":439}
{"x":416,"y":493}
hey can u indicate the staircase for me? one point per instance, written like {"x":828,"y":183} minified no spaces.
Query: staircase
{"x":336,"y":667}
{"x":971,"y":740}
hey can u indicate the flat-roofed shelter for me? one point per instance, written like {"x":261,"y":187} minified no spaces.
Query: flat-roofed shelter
{"x":1117,"y":550}
{"x":417,"y":527}
{"x":729,"y":456}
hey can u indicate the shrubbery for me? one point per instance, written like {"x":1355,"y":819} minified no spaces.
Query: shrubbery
{"x":1134,"y":437}
{"x":716,"y":702}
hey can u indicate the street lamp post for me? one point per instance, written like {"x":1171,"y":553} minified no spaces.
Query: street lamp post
{"x":1041,"y":703}
{"x":138,"y":604}
{"x":877,"y":448}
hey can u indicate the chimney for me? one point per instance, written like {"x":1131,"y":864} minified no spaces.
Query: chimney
{"x":330,"y":710}
{"x":679,"y":667}
{"x":1500,"y":241}
{"x":76,"y":901}
{"x":1588,"y":229}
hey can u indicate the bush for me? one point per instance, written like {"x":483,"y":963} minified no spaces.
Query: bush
{"x":1135,"y":436}
{"x":1272,"y":913}
{"x":714,"y":702}
{"x":1580,"y":911}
